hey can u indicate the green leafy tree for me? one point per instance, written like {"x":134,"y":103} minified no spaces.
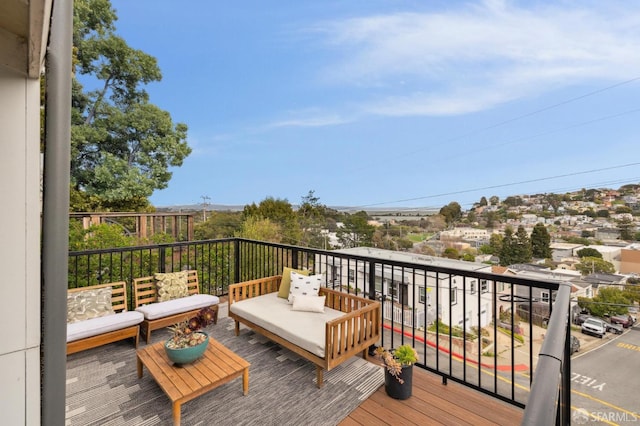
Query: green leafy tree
{"x":219,"y":225}
{"x":451,"y":253}
{"x":589,"y":252}
{"x":261,"y":229}
{"x":495,"y":242}
{"x":491,"y":219}
{"x":610,"y":301}
{"x":122,"y":146}
{"x":627,"y":229}
{"x":522,"y":246}
{"x":312,"y":219}
{"x":280,"y":212}
{"x":452,"y":212}
{"x":540,"y":242}
{"x":356,"y":231}
{"x":589,"y":265}
{"x":507,"y":252}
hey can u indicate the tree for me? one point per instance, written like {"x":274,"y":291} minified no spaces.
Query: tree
{"x":540,"y":242}
{"x":280,"y":212}
{"x":451,"y":253}
{"x":506,"y":253}
{"x":494,"y":200}
{"x":590,"y":265}
{"x":609,"y":301}
{"x":515,"y":248}
{"x":452,"y":212}
{"x":122,"y":146}
{"x":483,"y":201}
{"x":522,"y":246}
{"x":627,"y":229}
{"x":495,"y":242}
{"x":589,"y":252}
{"x":219,"y":225}
{"x":311,"y":217}
{"x":261,"y":229}
{"x":356,"y":231}
{"x":491,"y":219}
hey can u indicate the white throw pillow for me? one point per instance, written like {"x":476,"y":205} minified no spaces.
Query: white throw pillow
{"x":308,"y":303}
{"x":302,"y":285}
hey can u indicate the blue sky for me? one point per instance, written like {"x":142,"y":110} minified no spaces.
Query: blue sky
{"x":393,"y":103}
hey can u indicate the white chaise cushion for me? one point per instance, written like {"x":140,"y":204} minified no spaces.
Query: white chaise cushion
{"x":95,"y":326}
{"x":171,"y":307}
{"x":309,"y":303}
{"x":303,"y":329}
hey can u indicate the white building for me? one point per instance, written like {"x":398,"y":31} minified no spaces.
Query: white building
{"x":410,"y":286}
{"x":32,"y":360}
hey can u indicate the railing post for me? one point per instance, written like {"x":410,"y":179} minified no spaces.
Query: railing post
{"x":566,"y":379}
{"x":372,"y":280}
{"x":294,"y":258}
{"x":236,"y":266}
{"x":161,"y":258}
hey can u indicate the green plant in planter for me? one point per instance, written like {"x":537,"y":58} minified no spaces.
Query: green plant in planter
{"x":395,"y":359}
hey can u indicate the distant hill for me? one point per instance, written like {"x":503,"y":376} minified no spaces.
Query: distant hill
{"x":386,"y":211}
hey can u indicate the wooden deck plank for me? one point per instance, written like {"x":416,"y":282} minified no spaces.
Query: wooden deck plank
{"x":434,"y":403}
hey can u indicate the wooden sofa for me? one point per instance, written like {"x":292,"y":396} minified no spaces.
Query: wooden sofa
{"x":99,"y":331}
{"x":356,"y":327}
{"x":162,"y":314}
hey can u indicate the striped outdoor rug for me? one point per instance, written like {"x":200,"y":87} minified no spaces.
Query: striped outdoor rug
{"x":103,"y":387}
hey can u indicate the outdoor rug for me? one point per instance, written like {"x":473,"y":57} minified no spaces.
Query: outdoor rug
{"x":103,"y":387}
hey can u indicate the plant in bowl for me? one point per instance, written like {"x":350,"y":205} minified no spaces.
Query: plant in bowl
{"x":187,"y":333}
{"x":396,"y":359}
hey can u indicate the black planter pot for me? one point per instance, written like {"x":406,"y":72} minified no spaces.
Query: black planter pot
{"x":394,"y":388}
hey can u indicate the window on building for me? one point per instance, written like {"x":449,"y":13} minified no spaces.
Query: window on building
{"x":400,"y":292}
{"x":545,"y":296}
{"x":472,"y":287}
{"x":484,"y":286}
{"x":352,"y":275}
{"x":422,"y":295}
{"x":454,"y":295}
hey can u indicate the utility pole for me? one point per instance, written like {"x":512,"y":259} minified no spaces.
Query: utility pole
{"x":205,"y":199}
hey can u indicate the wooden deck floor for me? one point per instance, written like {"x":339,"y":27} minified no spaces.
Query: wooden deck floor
{"x":433,"y":403}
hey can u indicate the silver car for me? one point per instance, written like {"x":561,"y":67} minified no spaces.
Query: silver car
{"x":594,"y":327}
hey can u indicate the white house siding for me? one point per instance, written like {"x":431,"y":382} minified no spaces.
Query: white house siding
{"x":338,"y":273}
{"x":20,"y":248}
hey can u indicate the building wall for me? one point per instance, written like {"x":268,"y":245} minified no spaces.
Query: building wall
{"x":20,"y":249}
{"x":629,"y":261}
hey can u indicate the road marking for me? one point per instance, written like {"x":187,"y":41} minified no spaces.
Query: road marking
{"x":628,"y":346}
{"x":615,"y":407}
{"x":587,"y":381}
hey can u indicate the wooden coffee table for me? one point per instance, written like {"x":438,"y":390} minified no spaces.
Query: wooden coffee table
{"x":217,"y":366}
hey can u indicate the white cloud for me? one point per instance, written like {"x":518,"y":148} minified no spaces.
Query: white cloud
{"x":477,"y":56}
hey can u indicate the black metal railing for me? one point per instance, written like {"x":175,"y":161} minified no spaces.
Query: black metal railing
{"x":469,"y":325}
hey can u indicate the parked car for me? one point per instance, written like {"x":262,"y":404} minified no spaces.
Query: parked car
{"x":613,"y":328}
{"x":575,"y":344}
{"x":624,"y":320}
{"x":594,"y":326}
{"x":579,"y":319}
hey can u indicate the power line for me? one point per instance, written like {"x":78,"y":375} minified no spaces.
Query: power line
{"x":465,"y":191}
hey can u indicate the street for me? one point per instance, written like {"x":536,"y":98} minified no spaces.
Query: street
{"x":605,"y":382}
